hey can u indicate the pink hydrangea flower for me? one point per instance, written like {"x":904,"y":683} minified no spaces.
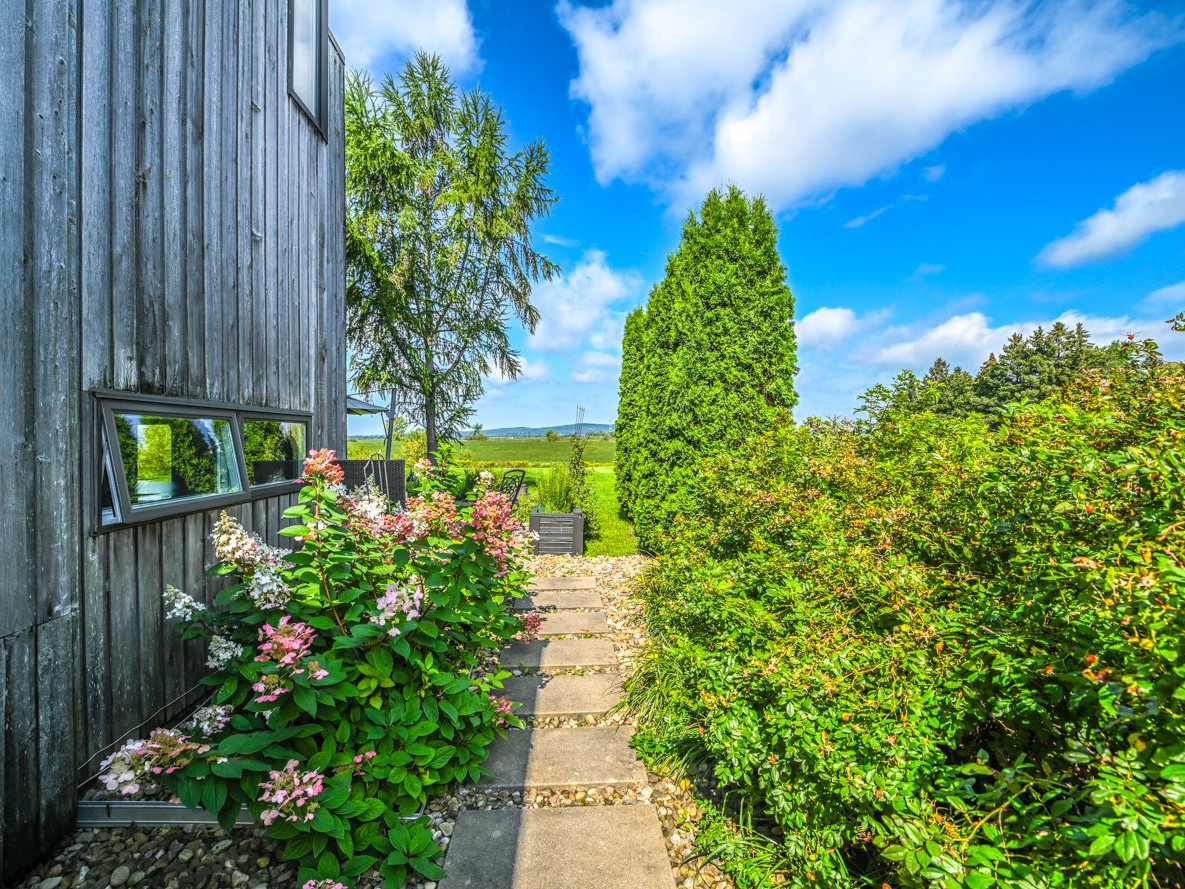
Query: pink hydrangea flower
{"x":399,"y":600}
{"x":269,"y":688}
{"x":323,"y":464}
{"x":291,"y":794}
{"x":285,"y":643}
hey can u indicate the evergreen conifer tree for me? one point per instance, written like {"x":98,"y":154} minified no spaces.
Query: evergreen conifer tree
{"x":718,"y":356}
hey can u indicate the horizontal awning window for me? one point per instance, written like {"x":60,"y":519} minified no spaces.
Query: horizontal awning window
{"x":162,"y":457}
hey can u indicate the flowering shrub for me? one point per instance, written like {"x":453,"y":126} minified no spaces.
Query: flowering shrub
{"x":933,"y":653}
{"x":349,"y":676}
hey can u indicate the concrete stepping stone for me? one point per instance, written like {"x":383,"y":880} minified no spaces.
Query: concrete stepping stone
{"x":559,"y":600}
{"x":543,"y":654}
{"x":567,"y":695}
{"x":562,"y":583}
{"x":593,"y":756}
{"x":572,"y":623}
{"x":586,"y":847}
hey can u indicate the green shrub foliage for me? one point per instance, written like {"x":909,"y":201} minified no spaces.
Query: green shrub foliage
{"x":937,"y":651}
{"x":711,"y":361}
{"x":351,"y":678}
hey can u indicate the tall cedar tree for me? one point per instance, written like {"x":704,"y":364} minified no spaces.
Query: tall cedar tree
{"x":717,"y":357}
{"x":438,"y":242}
{"x":629,"y":408}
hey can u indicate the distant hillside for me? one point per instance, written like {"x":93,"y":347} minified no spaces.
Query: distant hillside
{"x":529,"y":432}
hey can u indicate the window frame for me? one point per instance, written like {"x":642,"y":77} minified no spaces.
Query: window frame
{"x":108,"y":402}
{"x":317,"y":118}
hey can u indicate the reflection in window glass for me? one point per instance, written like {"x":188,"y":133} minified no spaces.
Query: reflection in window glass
{"x":171,"y":458}
{"x":306,"y":53}
{"x":274,"y":449}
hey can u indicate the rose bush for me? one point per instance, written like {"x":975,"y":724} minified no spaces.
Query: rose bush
{"x":933,"y":652}
{"x":349,"y":676}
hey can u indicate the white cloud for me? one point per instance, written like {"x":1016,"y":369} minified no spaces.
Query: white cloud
{"x":926,"y":269}
{"x":1143,"y":209}
{"x":578,"y":306}
{"x":860,"y":221}
{"x":1171,"y":298}
{"x":827,"y":328}
{"x":934,"y":173}
{"x":795,"y":98}
{"x":370,"y":30}
{"x":560,"y":241}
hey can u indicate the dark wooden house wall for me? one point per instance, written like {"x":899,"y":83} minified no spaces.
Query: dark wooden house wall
{"x":170,"y":223}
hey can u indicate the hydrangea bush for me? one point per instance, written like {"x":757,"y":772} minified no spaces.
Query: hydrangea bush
{"x":349,"y":678}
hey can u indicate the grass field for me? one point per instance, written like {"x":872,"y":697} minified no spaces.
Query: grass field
{"x":537,"y":455}
{"x":507,"y":451}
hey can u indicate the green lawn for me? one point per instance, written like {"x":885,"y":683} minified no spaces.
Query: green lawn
{"x":536,"y":455}
{"x":508,"y":451}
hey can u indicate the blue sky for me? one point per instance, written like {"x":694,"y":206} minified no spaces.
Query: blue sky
{"x":944,"y":172}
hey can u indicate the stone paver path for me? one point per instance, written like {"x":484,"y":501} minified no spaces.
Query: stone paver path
{"x":583,"y":847}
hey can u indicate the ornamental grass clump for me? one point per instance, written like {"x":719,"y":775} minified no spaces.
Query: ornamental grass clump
{"x":349,"y":677}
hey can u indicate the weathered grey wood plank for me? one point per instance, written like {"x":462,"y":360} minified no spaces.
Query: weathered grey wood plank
{"x":174,"y":571}
{"x":20,"y":752}
{"x":244,"y":320}
{"x":57,"y":659}
{"x":269,"y":98}
{"x":53,"y":271}
{"x":4,"y":740}
{"x":122,"y":169}
{"x":151,"y":628}
{"x":232,"y":321}
{"x":17,"y":598}
{"x":96,"y":185}
{"x":124,"y":629}
{"x":172,"y":172}
{"x":213,"y":200}
{"x":97,"y":363}
{"x":195,"y":193}
{"x":152,"y":357}
{"x":96,"y":643}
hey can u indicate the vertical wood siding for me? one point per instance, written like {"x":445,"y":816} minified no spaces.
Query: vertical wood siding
{"x":170,"y":223}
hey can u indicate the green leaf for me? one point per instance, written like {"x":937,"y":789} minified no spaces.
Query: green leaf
{"x":305,"y":698}
{"x":428,"y":868}
{"x":213,"y":795}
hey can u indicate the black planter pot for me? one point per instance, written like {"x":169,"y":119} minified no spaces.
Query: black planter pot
{"x":560,"y":533}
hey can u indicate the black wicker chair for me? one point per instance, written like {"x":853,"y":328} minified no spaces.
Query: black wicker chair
{"x":512,"y":483}
{"x":387,"y":476}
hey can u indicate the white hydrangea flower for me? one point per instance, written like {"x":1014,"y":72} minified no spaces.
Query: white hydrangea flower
{"x":182,"y":606}
{"x":267,"y":588}
{"x":221,"y":652}
{"x":210,"y":720}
